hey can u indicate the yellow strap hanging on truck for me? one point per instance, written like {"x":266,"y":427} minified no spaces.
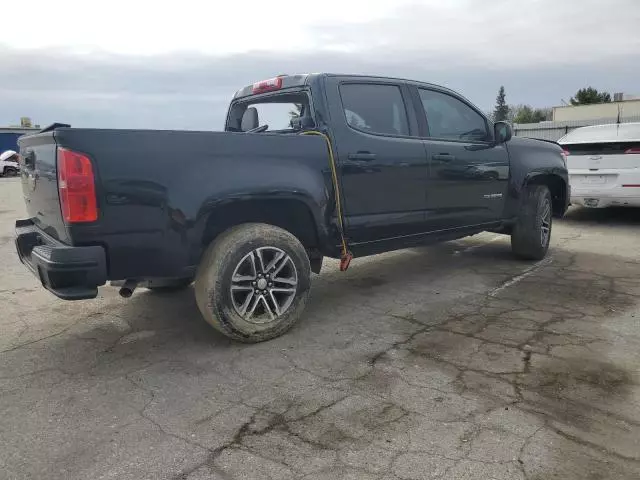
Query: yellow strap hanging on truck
{"x":346,"y":255}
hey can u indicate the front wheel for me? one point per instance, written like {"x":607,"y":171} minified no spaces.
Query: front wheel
{"x":532,"y":231}
{"x":253,"y":282}
{"x":10,"y":172}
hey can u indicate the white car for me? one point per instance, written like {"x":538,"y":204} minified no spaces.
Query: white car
{"x":604,"y":165}
{"x":9,"y":165}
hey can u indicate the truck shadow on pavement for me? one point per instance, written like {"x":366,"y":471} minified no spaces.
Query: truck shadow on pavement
{"x":603,"y":216}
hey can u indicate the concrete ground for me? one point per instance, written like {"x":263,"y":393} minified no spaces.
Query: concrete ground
{"x":448,"y":362}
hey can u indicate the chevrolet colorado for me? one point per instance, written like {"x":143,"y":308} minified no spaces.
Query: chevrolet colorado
{"x":308,"y":166}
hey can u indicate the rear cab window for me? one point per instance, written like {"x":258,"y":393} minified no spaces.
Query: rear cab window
{"x":278,"y":113}
{"x":375,"y":108}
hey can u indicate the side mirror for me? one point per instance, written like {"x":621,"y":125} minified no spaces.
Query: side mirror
{"x":502,"y":132}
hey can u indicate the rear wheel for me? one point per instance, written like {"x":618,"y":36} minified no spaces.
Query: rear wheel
{"x":532,"y":231}
{"x":253,"y":282}
{"x":10,"y":172}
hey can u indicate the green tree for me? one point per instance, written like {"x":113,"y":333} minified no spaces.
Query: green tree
{"x":501,"y":111}
{"x":589,"y":96}
{"x":527,"y":114}
{"x":522,"y":114}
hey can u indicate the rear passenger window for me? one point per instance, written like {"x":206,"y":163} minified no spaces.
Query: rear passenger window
{"x":375,"y":108}
{"x":451,"y":118}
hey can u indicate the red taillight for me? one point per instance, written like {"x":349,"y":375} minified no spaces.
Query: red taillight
{"x":633,"y":150}
{"x":267,"y":85}
{"x":566,"y":153}
{"x":76,"y":187}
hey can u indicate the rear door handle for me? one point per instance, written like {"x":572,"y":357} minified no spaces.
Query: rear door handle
{"x":444,"y":157}
{"x":362,"y":156}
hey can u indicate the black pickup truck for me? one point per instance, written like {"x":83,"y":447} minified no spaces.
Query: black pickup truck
{"x":308,"y":166}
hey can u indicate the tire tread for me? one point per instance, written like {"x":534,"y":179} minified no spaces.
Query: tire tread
{"x":525,"y":238}
{"x":209,"y":279}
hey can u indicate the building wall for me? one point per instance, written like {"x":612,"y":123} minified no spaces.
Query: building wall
{"x":628,"y":108}
{"x":9,"y":141}
{"x":9,"y":137}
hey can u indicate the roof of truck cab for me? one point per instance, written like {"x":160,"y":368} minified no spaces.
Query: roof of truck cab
{"x":297,"y":80}
{"x":386,"y":78}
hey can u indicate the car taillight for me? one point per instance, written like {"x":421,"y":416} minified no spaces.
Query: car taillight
{"x":267,"y":85}
{"x":565,"y":154}
{"x":633,"y":150}
{"x":76,"y":186}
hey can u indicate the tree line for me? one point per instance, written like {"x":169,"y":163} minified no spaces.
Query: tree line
{"x":526,"y":114}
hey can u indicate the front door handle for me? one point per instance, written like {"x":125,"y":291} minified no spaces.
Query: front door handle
{"x":443,"y":157}
{"x":362,"y":156}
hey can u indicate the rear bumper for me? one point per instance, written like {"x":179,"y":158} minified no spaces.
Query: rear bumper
{"x":70,"y":273}
{"x":609,"y":196}
{"x":617,"y":188}
{"x":598,"y":200}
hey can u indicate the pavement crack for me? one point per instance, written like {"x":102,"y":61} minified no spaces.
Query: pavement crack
{"x":143,"y":413}
{"x":585,"y":443}
{"x":526,"y":359}
{"x":275,"y":421}
{"x":520,"y":461}
{"x":42,"y":339}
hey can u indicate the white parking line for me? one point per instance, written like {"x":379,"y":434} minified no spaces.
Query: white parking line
{"x":518,"y":278}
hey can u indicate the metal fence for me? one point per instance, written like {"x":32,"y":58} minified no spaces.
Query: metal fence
{"x":556,"y":130}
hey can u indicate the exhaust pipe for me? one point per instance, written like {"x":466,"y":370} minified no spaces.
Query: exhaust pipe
{"x":128,"y":288}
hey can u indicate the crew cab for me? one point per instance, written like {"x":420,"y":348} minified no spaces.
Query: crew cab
{"x":309,"y":166}
{"x":604,"y":165}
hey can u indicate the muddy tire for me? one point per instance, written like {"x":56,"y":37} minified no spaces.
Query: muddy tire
{"x":253,"y":282}
{"x":532,"y":231}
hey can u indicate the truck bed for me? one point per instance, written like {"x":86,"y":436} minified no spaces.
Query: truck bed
{"x":155,"y":188}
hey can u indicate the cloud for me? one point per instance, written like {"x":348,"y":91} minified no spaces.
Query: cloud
{"x":541,"y":51}
{"x":497,"y":33}
{"x":148,"y":27}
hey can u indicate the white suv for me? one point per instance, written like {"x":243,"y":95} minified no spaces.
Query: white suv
{"x":604,"y":165}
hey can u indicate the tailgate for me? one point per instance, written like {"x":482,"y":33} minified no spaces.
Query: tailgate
{"x":40,"y":183}
{"x":603,"y":156}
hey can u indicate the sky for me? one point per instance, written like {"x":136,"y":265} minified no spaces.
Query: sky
{"x":155,"y":64}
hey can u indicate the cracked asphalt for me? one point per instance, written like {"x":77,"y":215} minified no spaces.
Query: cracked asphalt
{"x":448,"y":362}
